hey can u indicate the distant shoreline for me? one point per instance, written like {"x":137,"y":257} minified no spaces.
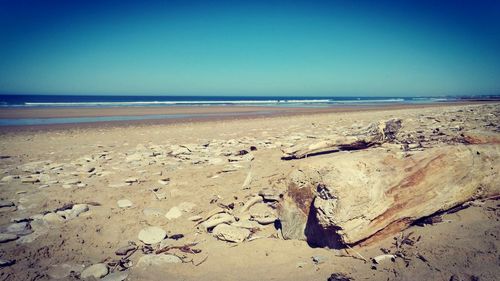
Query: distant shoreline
{"x":186,"y":114}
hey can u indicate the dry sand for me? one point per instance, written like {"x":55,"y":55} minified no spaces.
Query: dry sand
{"x":188,"y":169}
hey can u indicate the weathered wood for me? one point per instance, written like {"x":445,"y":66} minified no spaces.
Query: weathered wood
{"x":373,"y":135}
{"x":363,"y":196}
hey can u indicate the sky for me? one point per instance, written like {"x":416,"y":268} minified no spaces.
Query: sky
{"x":258,"y":48}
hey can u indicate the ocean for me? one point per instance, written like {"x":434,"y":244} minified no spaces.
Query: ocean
{"x":74,"y":101}
{"x":120,"y":101}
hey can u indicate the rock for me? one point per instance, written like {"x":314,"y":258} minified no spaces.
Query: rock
{"x":71,"y":182}
{"x":252,"y":201}
{"x":9,"y":178}
{"x":76,"y":210}
{"x":124,"y":203}
{"x":29,"y":179}
{"x":173,"y":213}
{"x":262,"y":214}
{"x":53,"y":218}
{"x":97,"y":271}
{"x":152,"y":235}
{"x":20,"y":228}
{"x":157,"y":260}
{"x":7,"y":237}
{"x":5,"y":262}
{"x":216,"y":220}
{"x":195,"y":218}
{"x":230,"y":233}
{"x":379,"y":259}
{"x":344,"y":201}
{"x":248,"y":224}
{"x":6,"y":203}
{"x":131,"y":180}
{"x":115,"y":276}
{"x":124,"y":250}
{"x":271,"y":194}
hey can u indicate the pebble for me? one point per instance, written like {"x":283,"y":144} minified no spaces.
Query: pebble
{"x":6,"y":237}
{"x":174,"y":213}
{"x":230,"y":233}
{"x":53,"y":218}
{"x":124,"y":203}
{"x":157,"y":260}
{"x":152,"y":235}
{"x":195,"y":218}
{"x":124,"y":250}
{"x":97,"y":271}
{"x":4,"y":263}
{"x":131,"y":180}
{"x":6,"y":203}
{"x":19,"y":228}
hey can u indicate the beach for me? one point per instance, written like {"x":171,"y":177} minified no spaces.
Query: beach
{"x":212,"y":197}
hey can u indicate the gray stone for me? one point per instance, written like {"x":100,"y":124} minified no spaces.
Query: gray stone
{"x":152,"y":235}
{"x":6,"y":203}
{"x":124,"y":203}
{"x":53,"y":218}
{"x":173,"y":213}
{"x":20,"y":228}
{"x":5,"y":263}
{"x":230,"y":233}
{"x":6,"y":237}
{"x":97,"y":271}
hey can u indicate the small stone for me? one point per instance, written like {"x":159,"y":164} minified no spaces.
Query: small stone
{"x":53,"y":218}
{"x":157,"y":260}
{"x":124,"y":203}
{"x":8,"y":178}
{"x":230,"y":233}
{"x":152,"y":235}
{"x":6,"y":203}
{"x":124,"y":250}
{"x":6,"y":237}
{"x":174,"y":213}
{"x":131,"y":180}
{"x":77,"y":210}
{"x":271,"y":194}
{"x":97,"y":271}
{"x":5,"y":263}
{"x":195,"y":218}
{"x":19,"y":228}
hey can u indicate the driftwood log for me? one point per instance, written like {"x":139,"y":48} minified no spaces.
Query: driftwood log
{"x":373,"y":135}
{"x":360,"y":197}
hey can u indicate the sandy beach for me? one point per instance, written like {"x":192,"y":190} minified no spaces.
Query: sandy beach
{"x":217,"y":199}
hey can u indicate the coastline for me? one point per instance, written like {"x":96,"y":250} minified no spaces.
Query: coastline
{"x":198,"y":114}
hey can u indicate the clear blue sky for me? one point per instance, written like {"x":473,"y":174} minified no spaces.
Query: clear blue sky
{"x":187,"y":47}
